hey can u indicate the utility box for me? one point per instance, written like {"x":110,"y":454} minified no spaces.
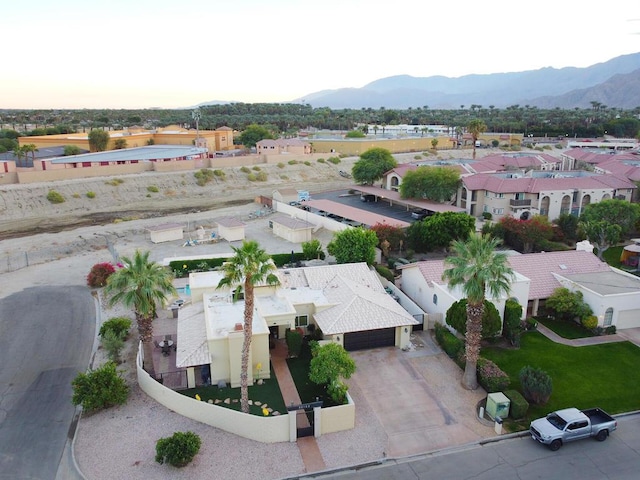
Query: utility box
{"x":498,"y":405}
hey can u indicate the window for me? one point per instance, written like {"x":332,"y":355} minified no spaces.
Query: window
{"x":608,"y":317}
{"x":498,"y":211}
{"x":519,"y":196}
{"x":485,"y":208}
{"x":302,"y":320}
{"x":499,"y":195}
{"x":487,"y":193}
{"x":435,"y":299}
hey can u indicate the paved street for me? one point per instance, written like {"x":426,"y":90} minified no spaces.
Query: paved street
{"x":46,"y":334}
{"x":617,"y":458}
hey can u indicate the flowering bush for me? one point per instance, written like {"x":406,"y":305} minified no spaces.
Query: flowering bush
{"x":491,"y":377}
{"x":99,"y":274}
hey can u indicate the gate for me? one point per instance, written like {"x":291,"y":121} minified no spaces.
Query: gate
{"x":305,"y":418}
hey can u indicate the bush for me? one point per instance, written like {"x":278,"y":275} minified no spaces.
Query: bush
{"x":100,"y":388}
{"x":76,"y":195}
{"x":491,"y":377}
{"x":518,"y":406}
{"x":294,"y":342}
{"x":203,"y":176}
{"x":256,"y":168}
{"x":457,"y":317}
{"x":334,"y":160}
{"x":320,"y":160}
{"x":385,"y":273}
{"x":590,"y":322}
{"x":219,"y":173}
{"x":536,"y":385}
{"x":113,"y":344}
{"x":451,"y":344}
{"x":99,"y":274}
{"x":312,"y":250}
{"x":118,"y":325}
{"x":179,"y":449}
{"x":153,"y":189}
{"x":245,"y":170}
{"x":530,"y":324}
{"x":610,"y":330}
{"x":293,"y":162}
{"x":91,"y":194}
{"x":114,"y":182}
{"x":262,"y":176}
{"x":487,"y":215}
{"x":55,"y":197}
{"x":252,"y":177}
{"x":280,"y":165}
{"x":512,"y":328}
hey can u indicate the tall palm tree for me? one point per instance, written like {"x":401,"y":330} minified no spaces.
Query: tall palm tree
{"x":143,"y":285}
{"x":30,"y":148}
{"x":477,"y":268}
{"x":475,"y":128}
{"x":249,"y":267}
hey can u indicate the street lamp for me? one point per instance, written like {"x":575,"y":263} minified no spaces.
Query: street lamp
{"x":196,"y":115}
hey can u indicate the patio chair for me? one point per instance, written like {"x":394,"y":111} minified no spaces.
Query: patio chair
{"x":167,"y":338}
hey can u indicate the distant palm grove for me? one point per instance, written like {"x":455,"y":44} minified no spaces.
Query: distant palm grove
{"x":288,"y":119}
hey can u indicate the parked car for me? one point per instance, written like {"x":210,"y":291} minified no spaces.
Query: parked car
{"x":420,"y":214}
{"x":572,"y":424}
{"x":345,"y":174}
{"x":295,"y":204}
{"x":367,"y":198}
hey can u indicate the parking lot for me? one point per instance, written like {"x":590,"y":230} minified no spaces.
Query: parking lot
{"x":381,"y":207}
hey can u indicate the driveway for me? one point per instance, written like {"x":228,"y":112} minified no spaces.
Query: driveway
{"x":418,"y":398}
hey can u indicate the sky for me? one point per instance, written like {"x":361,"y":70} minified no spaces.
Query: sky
{"x":177,"y":54}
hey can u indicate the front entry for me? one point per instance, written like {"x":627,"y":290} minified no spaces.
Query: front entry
{"x":305,"y":418}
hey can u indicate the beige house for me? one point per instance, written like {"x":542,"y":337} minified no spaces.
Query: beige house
{"x":294,"y":230}
{"x":522,"y":195}
{"x":166,"y":232}
{"x":283,"y":146}
{"x":231,"y":229}
{"x":346,"y":302}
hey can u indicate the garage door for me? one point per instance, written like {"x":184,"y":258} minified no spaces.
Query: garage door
{"x":628,"y":319}
{"x":384,"y":337}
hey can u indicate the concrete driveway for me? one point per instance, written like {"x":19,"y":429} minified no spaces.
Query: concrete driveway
{"x":418,"y":398}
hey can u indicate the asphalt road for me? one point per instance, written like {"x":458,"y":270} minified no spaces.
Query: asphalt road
{"x":617,"y":458}
{"x":46,"y":337}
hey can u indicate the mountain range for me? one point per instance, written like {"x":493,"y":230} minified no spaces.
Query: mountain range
{"x":615,"y":84}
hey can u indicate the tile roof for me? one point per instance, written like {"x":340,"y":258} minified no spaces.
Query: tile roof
{"x":191,"y":345}
{"x":538,"y":267}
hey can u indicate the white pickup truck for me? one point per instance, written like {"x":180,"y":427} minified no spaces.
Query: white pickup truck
{"x":572,"y":424}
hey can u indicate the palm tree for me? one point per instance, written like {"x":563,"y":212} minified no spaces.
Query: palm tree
{"x":249,"y":266}
{"x":143,"y":285}
{"x":20,"y":153}
{"x":477,"y":268}
{"x":475,"y":128}
{"x":30,"y":148}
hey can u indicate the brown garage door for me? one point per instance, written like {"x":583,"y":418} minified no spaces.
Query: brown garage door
{"x":384,"y":337}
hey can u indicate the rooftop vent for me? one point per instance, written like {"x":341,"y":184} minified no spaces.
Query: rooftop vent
{"x":563,"y":267}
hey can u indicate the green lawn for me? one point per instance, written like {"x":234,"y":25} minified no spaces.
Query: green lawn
{"x":612,"y":256}
{"x":566,"y":329}
{"x":268,"y":392}
{"x":308,"y":391}
{"x":605,"y":376}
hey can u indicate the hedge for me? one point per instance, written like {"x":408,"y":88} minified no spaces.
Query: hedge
{"x":182,"y":268}
{"x":519,"y":406}
{"x":491,"y":377}
{"x":451,"y":344}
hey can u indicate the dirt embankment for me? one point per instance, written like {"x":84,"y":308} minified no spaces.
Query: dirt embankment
{"x":25,"y":210}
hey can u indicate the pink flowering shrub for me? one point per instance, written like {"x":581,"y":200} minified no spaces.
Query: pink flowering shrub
{"x":99,"y":274}
{"x":491,"y":377}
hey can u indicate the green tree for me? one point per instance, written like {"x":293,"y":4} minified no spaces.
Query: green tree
{"x":30,"y":148}
{"x":568,"y":305}
{"x":331,"y":365}
{"x":99,"y":388}
{"x":143,"y":285}
{"x":98,"y":140}
{"x":457,"y":317}
{"x":253,"y":134}
{"x":71,"y":150}
{"x":120,"y":144}
{"x":372,"y":165}
{"x":353,"y":245}
{"x":475,"y":127}
{"x":434,"y":143}
{"x":312,"y":249}
{"x":568,"y":225}
{"x":250,"y":266}
{"x":389,"y":233}
{"x":19,"y":153}
{"x":605,"y":223}
{"x":355,"y":134}
{"x":439,"y":230}
{"x":477,"y":268}
{"x":526,"y":235}
{"x":512,"y":322}
{"x":438,"y":184}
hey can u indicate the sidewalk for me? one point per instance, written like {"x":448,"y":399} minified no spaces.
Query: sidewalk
{"x":581,"y":342}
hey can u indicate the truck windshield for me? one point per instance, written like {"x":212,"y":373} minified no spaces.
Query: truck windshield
{"x":556,"y":421}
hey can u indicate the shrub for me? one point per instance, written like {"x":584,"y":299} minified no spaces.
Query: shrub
{"x":179,"y":449}
{"x":487,"y":215}
{"x":118,"y":325}
{"x":294,"y":342}
{"x":491,"y":377}
{"x":457,"y":317}
{"x":518,"y":406}
{"x":292,"y":162}
{"x":76,"y":195}
{"x":590,"y":322}
{"x":307,"y":163}
{"x":219,"y":173}
{"x":312,"y":250}
{"x":153,"y":189}
{"x":385,"y":273}
{"x":245,"y":170}
{"x":262,"y":176}
{"x":536,"y":385}
{"x":280,"y":165}
{"x":114,"y":182}
{"x":55,"y":197}
{"x":531,"y":324}
{"x":91,"y":194}
{"x":100,"y":388}
{"x":321,"y":160}
{"x":256,"y":168}
{"x":334,"y":160}
{"x":113,"y":344}
{"x":512,"y":328}
{"x":203,"y":176}
{"x":252,"y":177}
{"x":99,"y":274}
{"x":451,"y":344}
{"x":610,"y":330}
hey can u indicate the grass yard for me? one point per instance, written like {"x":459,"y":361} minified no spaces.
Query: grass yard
{"x":267,"y":393}
{"x":605,"y":376}
{"x":565,"y":329}
{"x":612,"y":256}
{"x":308,"y":391}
